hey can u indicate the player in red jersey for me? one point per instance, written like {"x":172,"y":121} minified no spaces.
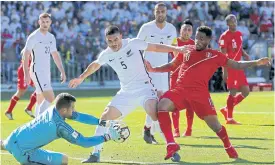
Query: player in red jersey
{"x":184,"y":39}
{"x":231,"y":44}
{"x":191,"y":89}
{"x":21,"y":89}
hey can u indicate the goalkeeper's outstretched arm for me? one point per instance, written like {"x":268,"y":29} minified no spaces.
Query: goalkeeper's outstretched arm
{"x":66,"y":132}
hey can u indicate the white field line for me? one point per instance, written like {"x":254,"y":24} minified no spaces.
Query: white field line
{"x":102,"y":161}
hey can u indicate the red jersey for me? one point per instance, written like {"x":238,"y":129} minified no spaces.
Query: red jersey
{"x":233,"y":42}
{"x":178,"y":42}
{"x":198,"y":67}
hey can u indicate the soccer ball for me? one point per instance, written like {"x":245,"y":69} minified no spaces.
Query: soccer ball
{"x":123,"y":130}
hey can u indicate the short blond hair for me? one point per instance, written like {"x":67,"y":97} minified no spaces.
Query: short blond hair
{"x":45,"y":15}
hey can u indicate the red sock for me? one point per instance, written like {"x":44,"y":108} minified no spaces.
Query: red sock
{"x":165,"y":125}
{"x":32,"y":101}
{"x":222,"y":134}
{"x":230,"y":106}
{"x":13,"y":102}
{"x":175,"y":118}
{"x":238,"y":99}
{"x":189,"y":118}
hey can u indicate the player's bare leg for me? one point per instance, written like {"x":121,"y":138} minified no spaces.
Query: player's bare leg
{"x":110,"y":113}
{"x":44,"y":100}
{"x":150,"y":128}
{"x":164,"y":107}
{"x":19,"y":93}
{"x":150,"y":107}
{"x":214,"y":124}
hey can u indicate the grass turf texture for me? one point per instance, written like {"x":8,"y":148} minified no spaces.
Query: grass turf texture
{"x":254,"y":139}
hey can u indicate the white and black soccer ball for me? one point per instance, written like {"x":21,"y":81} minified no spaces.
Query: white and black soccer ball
{"x":123,"y":130}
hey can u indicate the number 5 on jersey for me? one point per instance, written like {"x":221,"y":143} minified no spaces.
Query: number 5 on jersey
{"x":124,"y":66}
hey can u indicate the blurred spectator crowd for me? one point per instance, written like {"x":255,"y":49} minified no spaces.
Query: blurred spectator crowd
{"x":79,"y":26}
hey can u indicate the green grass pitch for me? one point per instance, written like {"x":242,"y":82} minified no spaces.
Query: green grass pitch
{"x":254,"y":139}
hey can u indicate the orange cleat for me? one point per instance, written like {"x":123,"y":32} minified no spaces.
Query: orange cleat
{"x":233,"y":122}
{"x":224,"y":112}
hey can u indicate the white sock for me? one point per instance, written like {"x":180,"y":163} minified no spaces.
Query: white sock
{"x":43,"y":106}
{"x":37,"y":107}
{"x":148,"y":121}
{"x":99,"y":131}
{"x":157,"y":129}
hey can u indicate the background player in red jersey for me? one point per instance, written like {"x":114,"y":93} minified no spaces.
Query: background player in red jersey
{"x":231,"y":45}
{"x":186,"y":31}
{"x":191,"y":89}
{"x":21,"y":90}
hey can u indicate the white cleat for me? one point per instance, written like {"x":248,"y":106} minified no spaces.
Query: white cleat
{"x":9,"y":116}
{"x":28,"y":112}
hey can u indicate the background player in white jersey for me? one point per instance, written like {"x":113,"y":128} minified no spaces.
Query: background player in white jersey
{"x":124,"y":56}
{"x":161,"y":32}
{"x":40,"y":45}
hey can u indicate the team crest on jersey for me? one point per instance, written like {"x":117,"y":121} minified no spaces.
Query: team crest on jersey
{"x":129,"y":53}
{"x":208,"y":54}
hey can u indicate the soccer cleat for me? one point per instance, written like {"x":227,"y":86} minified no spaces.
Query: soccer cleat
{"x":154,"y":141}
{"x":9,"y":115}
{"x":232,"y":153}
{"x":171,"y":150}
{"x":147,"y":136}
{"x":176,"y":157}
{"x":95,"y":157}
{"x":224,"y":112}
{"x":176,"y":133}
{"x":233,"y":122}
{"x":28,"y":112}
{"x":188,"y":132}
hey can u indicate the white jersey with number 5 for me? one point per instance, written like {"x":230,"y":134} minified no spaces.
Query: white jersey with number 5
{"x":41,"y":47}
{"x":149,"y":32}
{"x":128,"y":63}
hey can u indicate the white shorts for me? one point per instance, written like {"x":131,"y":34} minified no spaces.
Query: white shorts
{"x":127,"y":101}
{"x":160,"y":81}
{"x":42,"y":81}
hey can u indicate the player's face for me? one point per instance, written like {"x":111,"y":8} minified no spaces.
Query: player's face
{"x":160,"y":14}
{"x":186,"y":31}
{"x":232,"y":23}
{"x":201,"y":41}
{"x":45,"y":23}
{"x":114,"y":41}
{"x":69,"y":111}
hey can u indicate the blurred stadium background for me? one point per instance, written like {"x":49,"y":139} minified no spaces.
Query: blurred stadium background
{"x":79,"y":30}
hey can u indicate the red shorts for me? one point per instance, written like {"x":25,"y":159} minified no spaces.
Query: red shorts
{"x":20,"y":79}
{"x":236,"y":79}
{"x":193,"y":99}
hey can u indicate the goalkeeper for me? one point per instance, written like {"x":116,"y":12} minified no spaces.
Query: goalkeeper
{"x":25,"y":142}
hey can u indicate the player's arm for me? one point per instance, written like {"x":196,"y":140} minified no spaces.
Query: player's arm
{"x":246,"y":64}
{"x":93,"y":67}
{"x":224,"y":69}
{"x":88,"y":119}
{"x":57,"y":60}
{"x":25,"y":59}
{"x":245,"y":55}
{"x":66,"y":132}
{"x":163,"y":68}
{"x":165,"y":48}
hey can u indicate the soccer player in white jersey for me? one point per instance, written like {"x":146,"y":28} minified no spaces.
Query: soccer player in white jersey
{"x":161,"y":32}
{"x":41,"y":44}
{"x":124,"y":56}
